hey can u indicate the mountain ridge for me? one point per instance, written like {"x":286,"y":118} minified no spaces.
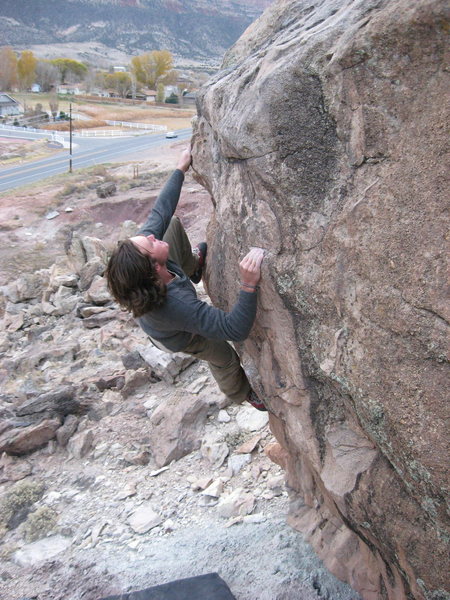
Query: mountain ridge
{"x":199,"y":30}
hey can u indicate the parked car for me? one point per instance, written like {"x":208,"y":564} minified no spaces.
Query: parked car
{"x":171,"y":134}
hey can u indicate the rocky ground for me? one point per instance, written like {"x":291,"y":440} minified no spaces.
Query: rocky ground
{"x":123,"y":467}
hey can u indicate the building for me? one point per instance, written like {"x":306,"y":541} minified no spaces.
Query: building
{"x":188,"y":99}
{"x":70,"y":88}
{"x":9,"y":106}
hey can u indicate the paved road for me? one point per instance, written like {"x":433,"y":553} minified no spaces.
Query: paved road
{"x":88,"y":152}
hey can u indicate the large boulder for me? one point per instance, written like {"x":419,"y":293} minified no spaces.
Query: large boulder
{"x":323,"y":141}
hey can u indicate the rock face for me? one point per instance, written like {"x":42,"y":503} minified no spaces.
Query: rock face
{"x":323,"y":141}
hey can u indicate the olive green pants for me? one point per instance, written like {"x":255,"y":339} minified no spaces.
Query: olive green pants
{"x":221,"y":357}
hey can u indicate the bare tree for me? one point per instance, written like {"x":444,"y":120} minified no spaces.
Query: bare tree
{"x":53,"y":103}
{"x":47,"y":75}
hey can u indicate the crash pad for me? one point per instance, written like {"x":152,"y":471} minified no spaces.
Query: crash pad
{"x":203,"y":587}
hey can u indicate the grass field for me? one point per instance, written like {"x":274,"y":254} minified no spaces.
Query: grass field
{"x":172,"y":118}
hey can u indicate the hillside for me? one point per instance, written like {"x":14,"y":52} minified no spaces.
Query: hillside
{"x":197,"y":31}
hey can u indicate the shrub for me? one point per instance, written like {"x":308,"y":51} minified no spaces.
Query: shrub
{"x":16,"y":503}
{"x":41,"y":522}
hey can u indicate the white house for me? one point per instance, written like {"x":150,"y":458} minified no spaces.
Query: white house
{"x":69,"y":88}
{"x":9,"y":106}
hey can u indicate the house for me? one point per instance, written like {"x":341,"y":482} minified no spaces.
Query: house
{"x":9,"y":106}
{"x":143,"y":95}
{"x":36,"y":88}
{"x":170,"y":89}
{"x":69,"y":88}
{"x":188,"y":98}
{"x":119,"y":69}
{"x":150,"y":95}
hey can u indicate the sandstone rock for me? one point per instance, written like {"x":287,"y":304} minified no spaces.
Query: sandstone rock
{"x":166,"y":365}
{"x":237,"y":503}
{"x":67,"y":429}
{"x":128,"y":491}
{"x":250,"y":419}
{"x":248,"y":446}
{"x":98,"y":292}
{"x":197,"y":385}
{"x":176,"y":427}
{"x":106,"y":189}
{"x":237,"y":462}
{"x":199,"y":484}
{"x":27,"y":287}
{"x":14,"y":469}
{"x":94,"y":248}
{"x":36,"y":354}
{"x":223,"y":416}
{"x":42,"y":550}
{"x":144,"y":518}
{"x":87,"y":311}
{"x":214,"y":451}
{"x":113,"y":381}
{"x":59,"y":278}
{"x":76,"y":254}
{"x":80,"y":444}
{"x":90,"y":270}
{"x":133,"y":360}
{"x":135,"y":380}
{"x":23,"y":440}
{"x":214,"y":490}
{"x":324,"y":142}
{"x":99,"y":319}
{"x":61,"y":401}
{"x":137,"y":458}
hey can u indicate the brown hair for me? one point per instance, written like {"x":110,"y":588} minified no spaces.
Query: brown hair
{"x":133,"y":280}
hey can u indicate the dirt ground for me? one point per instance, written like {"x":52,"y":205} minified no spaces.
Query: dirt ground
{"x":17,"y":151}
{"x":172,"y":118}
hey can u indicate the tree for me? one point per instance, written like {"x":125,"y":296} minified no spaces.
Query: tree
{"x":119,"y":82}
{"x":148,"y":68}
{"x":68,"y":66}
{"x":160,"y":93}
{"x":47,"y":75}
{"x":8,"y":68}
{"x":53,"y":104}
{"x":26,"y":69}
{"x":172,"y":99}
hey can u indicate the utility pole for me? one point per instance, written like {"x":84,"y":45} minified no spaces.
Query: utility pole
{"x":70,"y":138}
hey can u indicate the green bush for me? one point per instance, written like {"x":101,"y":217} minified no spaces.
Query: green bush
{"x":172,"y":99}
{"x":19,"y":499}
{"x":41,"y":522}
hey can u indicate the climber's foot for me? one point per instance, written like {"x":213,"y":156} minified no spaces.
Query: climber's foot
{"x":200,"y":250}
{"x":253,"y":399}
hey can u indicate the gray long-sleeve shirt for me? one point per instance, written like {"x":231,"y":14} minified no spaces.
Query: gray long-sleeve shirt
{"x":183,"y":315}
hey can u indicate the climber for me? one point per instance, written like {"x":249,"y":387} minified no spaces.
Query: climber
{"x":151,"y":276}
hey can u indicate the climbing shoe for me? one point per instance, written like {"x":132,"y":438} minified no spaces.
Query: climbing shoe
{"x":253,"y":399}
{"x":199,"y":251}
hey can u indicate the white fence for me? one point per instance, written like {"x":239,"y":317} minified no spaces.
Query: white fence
{"x":147,"y":126}
{"x":46,"y":133}
{"x":107,"y":133}
{"x":43,"y":133}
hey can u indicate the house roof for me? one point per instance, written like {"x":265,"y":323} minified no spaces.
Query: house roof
{"x":5,"y":99}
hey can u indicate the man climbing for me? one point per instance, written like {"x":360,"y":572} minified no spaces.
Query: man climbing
{"x":151,"y":276}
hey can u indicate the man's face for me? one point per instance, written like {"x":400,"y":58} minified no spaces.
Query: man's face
{"x":157,"y":249}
